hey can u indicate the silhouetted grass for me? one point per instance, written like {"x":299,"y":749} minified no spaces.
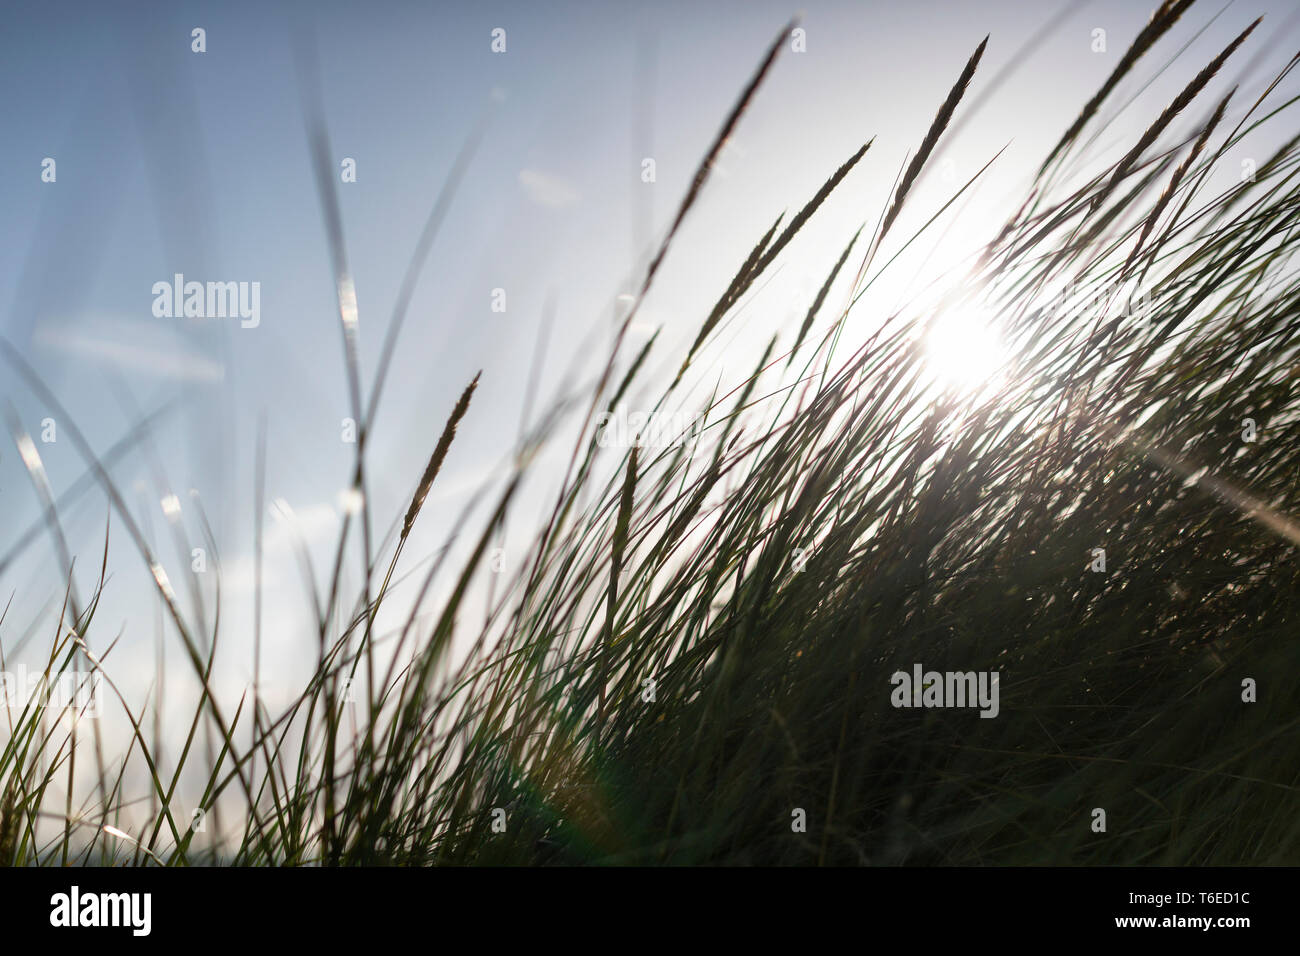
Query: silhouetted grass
{"x":701,"y":644}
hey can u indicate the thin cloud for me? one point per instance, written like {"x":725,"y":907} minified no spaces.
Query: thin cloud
{"x":160,"y":361}
{"x":547,"y":190}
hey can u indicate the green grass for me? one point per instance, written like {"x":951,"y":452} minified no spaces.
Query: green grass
{"x":841,"y":519}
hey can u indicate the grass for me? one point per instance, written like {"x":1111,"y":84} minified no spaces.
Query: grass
{"x":700,"y":645}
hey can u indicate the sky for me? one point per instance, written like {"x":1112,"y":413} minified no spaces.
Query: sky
{"x":169,"y":160}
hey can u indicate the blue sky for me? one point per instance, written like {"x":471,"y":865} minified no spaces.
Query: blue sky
{"x":173,"y":161}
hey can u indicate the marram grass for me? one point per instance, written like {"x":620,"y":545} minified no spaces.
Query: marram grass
{"x":694,"y":663}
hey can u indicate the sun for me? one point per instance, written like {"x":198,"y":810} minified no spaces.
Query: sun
{"x":965,"y":351}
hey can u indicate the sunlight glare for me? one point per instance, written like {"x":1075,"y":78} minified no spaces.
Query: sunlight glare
{"x":965,"y":351}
